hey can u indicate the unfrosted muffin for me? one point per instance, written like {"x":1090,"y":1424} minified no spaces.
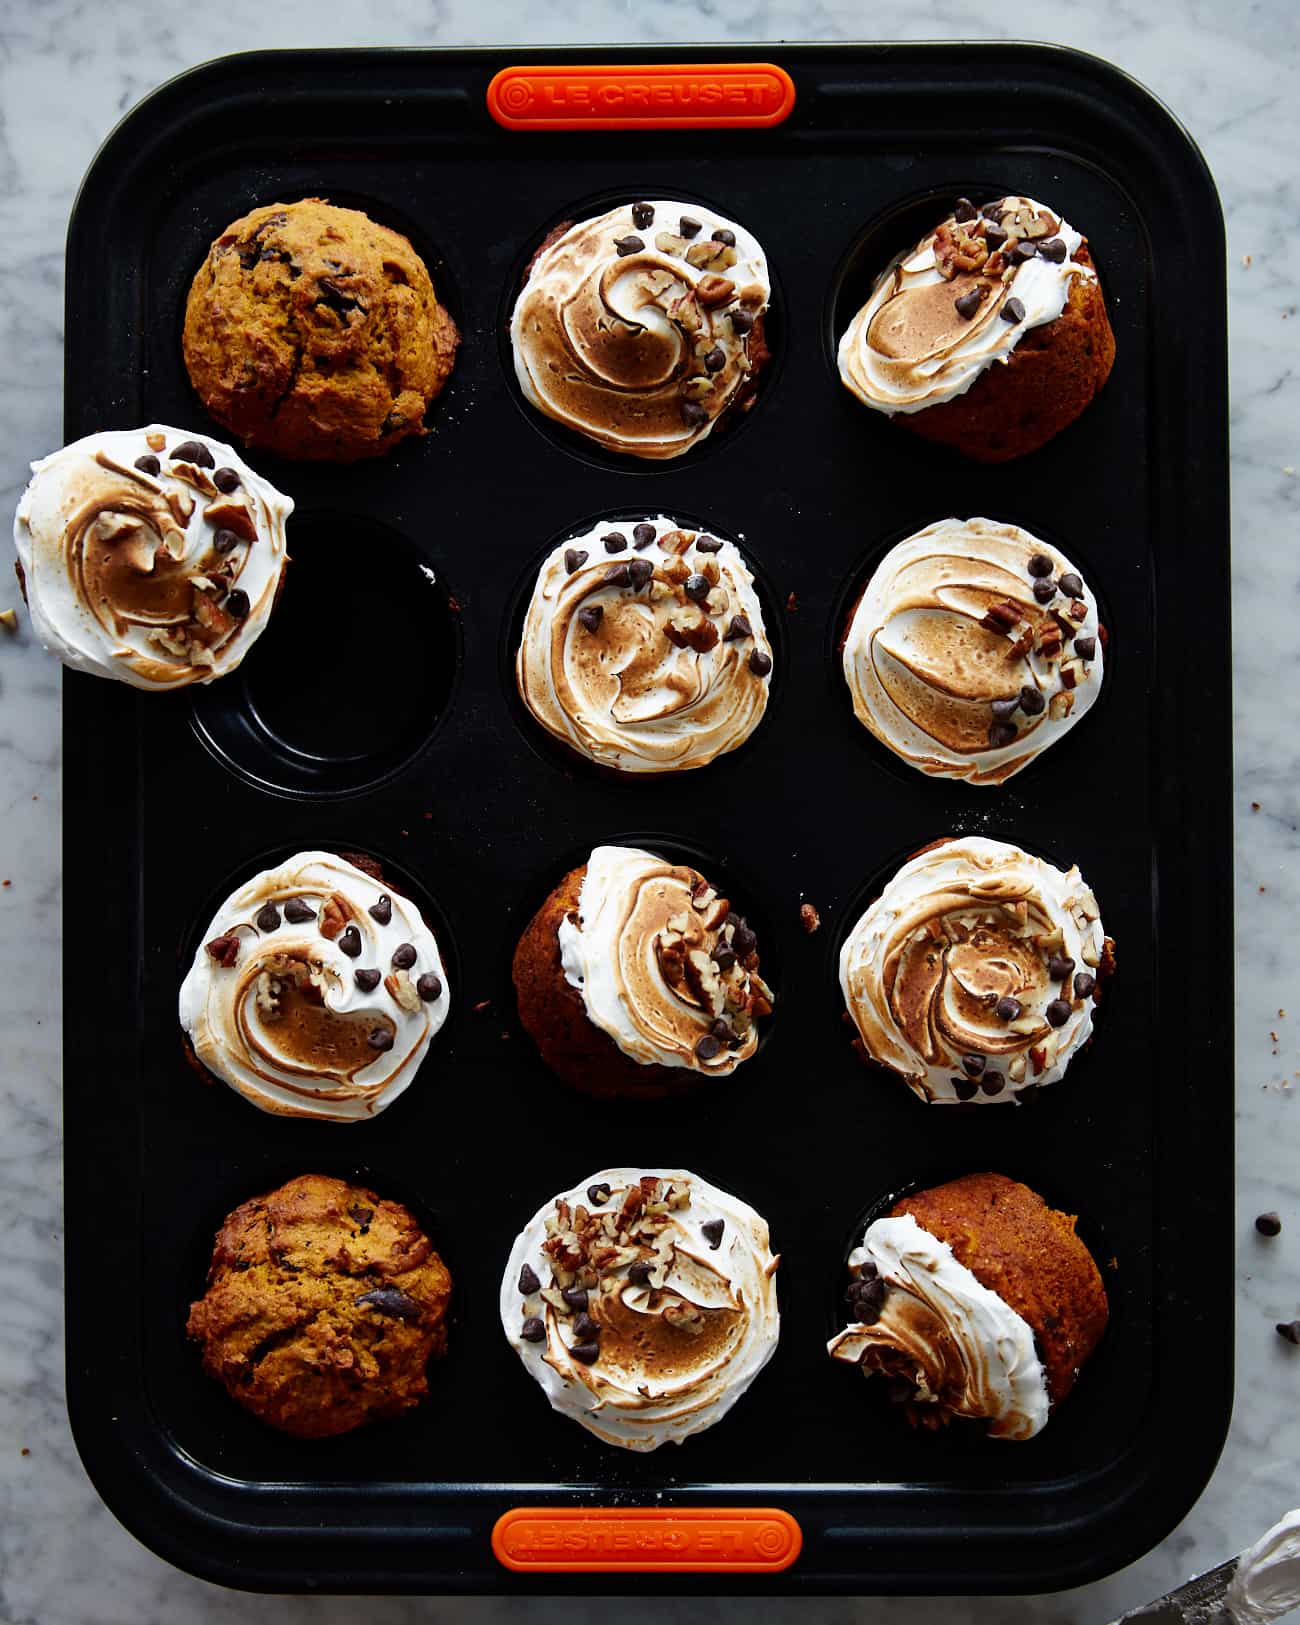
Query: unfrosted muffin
{"x":975,"y":1299}
{"x":315,"y":333}
{"x":636,"y":979}
{"x":324,"y":1305}
{"x":643,"y":329}
{"x":644,"y":1303}
{"x":989,"y":336}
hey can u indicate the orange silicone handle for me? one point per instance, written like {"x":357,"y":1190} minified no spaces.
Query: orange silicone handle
{"x":646,"y":1540}
{"x":673,"y":96}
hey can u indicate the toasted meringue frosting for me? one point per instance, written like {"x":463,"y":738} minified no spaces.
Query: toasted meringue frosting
{"x":680,"y":1311}
{"x":910,"y":346}
{"x":638,"y":336}
{"x":273,"y":1006}
{"x":960,"y":1345}
{"x":158,"y":580}
{"x":663,"y":966}
{"x":653,"y":674}
{"x":949,"y":628}
{"x":957,"y":930}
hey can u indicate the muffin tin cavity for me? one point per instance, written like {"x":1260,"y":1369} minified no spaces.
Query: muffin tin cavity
{"x":354,"y":673}
{"x":579,"y":445}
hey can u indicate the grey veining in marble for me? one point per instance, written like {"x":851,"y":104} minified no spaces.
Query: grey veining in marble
{"x":68,"y":70}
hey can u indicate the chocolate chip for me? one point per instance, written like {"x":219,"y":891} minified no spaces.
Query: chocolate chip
{"x":643,"y":215}
{"x":591,"y":616}
{"x":382,"y":910}
{"x":598,"y":1195}
{"x":429,"y":987}
{"x":694,"y":416}
{"x":965,"y":210}
{"x":1086,"y":648}
{"x":226,"y":479}
{"x":688,"y":228}
{"x":533,"y":1330}
{"x":1039,"y":565}
{"x":237,"y":603}
{"x":366,"y":980}
{"x":738,"y":628}
{"x":967,"y":304}
{"x":639,"y":1273}
{"x":1071,"y":585}
{"x":697,"y":588}
{"x":1059,"y":967}
{"x":362,"y":1216}
{"x":723,"y":957}
{"x":225,"y":541}
{"x":639,"y":572}
{"x":631,"y":244}
{"x":404,"y":956}
{"x":1058,"y":1012}
{"x":994,"y":235}
{"x":707,"y":1047}
{"x":868,"y":1270}
{"x":148,"y":464}
{"x":993,"y":211}
{"x":350,"y":942}
{"x":716,"y":359}
{"x":576,"y":1298}
{"x":585,"y":1327}
{"x":297,"y":912}
{"x":1044,"y":591}
{"x":1032,"y":702}
{"x":1005,"y":708}
{"x":725,"y":237}
{"x":973,"y":1065}
{"x":742,"y":320}
{"x":1269,"y":1224}
{"x":1052,"y":248}
{"x":721,"y":1031}
{"x":192,"y":451}
{"x":1084,"y":984}
{"x":587,"y":1353}
{"x":529,"y":1281}
{"x":267,"y":918}
{"x":1290,"y":1329}
{"x":388,"y":1300}
{"x":380,"y":1039}
{"x":712,"y":1230}
{"x":573,"y":557}
{"x":707,"y":544}
{"x":743,"y":939}
{"x":759,"y":663}
{"x":1007,"y":1008}
{"x":643,"y":535}
{"x":1001,"y":734}
{"x":615,"y":541}
{"x":1013,"y":311}
{"x":1024,"y":250}
{"x":992,"y":1083}
{"x":965,"y":1088}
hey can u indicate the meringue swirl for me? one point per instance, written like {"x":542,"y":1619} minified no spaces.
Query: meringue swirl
{"x":960,"y":930}
{"x":910,"y":346}
{"x":639,"y":675}
{"x":672,"y":1308}
{"x":932,"y":671}
{"x":158,"y":580}
{"x":963,"y":1348}
{"x":274,"y":1003}
{"x":663,"y":965}
{"x":640,"y":336}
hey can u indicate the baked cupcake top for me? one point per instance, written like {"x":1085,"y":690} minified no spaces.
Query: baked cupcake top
{"x":973,"y":974}
{"x":643,"y":1303}
{"x":316,"y":991}
{"x":973,"y":648}
{"x":916,"y":1310}
{"x":637,"y":328}
{"x":150,"y":555}
{"x":664,"y":967}
{"x":959,"y":301}
{"x":644,"y":648}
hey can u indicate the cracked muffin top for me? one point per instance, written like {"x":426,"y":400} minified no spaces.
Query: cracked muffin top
{"x":312,"y":332}
{"x":324,"y":1304}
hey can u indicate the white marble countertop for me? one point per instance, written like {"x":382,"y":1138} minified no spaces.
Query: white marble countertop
{"x":67,"y":72}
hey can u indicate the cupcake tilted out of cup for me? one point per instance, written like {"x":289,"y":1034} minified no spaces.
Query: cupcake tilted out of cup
{"x":644,"y":1304}
{"x":990,"y":335}
{"x":151,"y":555}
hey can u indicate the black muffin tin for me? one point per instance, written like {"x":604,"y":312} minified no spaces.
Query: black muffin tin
{"x":377,"y":714}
